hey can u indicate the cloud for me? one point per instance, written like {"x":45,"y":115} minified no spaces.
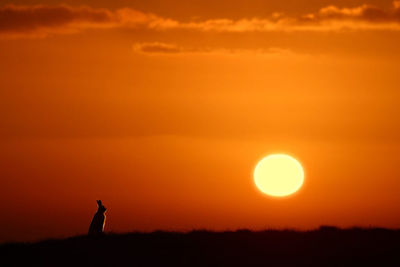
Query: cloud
{"x":157,"y":48}
{"x":330,"y":18}
{"x":365,"y":13}
{"x":42,"y":20}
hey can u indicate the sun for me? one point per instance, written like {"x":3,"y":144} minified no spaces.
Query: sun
{"x":278,"y":175}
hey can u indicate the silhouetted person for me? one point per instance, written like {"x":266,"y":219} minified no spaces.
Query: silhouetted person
{"x":97,"y":224}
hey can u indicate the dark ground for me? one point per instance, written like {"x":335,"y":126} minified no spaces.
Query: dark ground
{"x":327,"y":246}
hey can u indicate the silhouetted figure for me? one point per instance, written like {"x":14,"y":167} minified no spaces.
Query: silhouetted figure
{"x":97,"y":224}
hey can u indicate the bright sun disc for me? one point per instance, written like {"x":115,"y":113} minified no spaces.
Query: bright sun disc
{"x":278,"y":175}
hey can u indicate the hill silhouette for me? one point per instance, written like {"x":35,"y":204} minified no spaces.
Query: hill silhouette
{"x":327,"y":246}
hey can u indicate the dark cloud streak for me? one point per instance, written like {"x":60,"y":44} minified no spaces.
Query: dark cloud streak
{"x":31,"y":18}
{"x":155,"y":48}
{"x":42,"y":20}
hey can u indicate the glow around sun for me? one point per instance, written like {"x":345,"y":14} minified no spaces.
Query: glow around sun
{"x":278,"y":175}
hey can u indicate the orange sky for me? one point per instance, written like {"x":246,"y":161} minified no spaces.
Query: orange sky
{"x":163,"y":108}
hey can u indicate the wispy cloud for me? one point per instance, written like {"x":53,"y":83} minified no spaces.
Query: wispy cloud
{"x":159,"y":48}
{"x":330,"y":18}
{"x":42,"y":20}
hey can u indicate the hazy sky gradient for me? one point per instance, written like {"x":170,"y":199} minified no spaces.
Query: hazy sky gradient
{"x":163,"y":108}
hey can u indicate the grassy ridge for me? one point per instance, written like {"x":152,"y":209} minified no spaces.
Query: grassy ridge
{"x":327,"y":246}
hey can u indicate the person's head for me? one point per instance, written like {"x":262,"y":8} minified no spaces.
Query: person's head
{"x":101,"y":208}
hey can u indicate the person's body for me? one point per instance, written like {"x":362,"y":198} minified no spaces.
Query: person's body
{"x":98,"y":221}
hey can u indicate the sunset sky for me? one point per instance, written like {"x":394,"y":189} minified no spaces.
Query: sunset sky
{"x":162,"y":109}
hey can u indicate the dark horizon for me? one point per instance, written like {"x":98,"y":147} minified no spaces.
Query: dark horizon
{"x":324,"y":247}
{"x":322,"y":228}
